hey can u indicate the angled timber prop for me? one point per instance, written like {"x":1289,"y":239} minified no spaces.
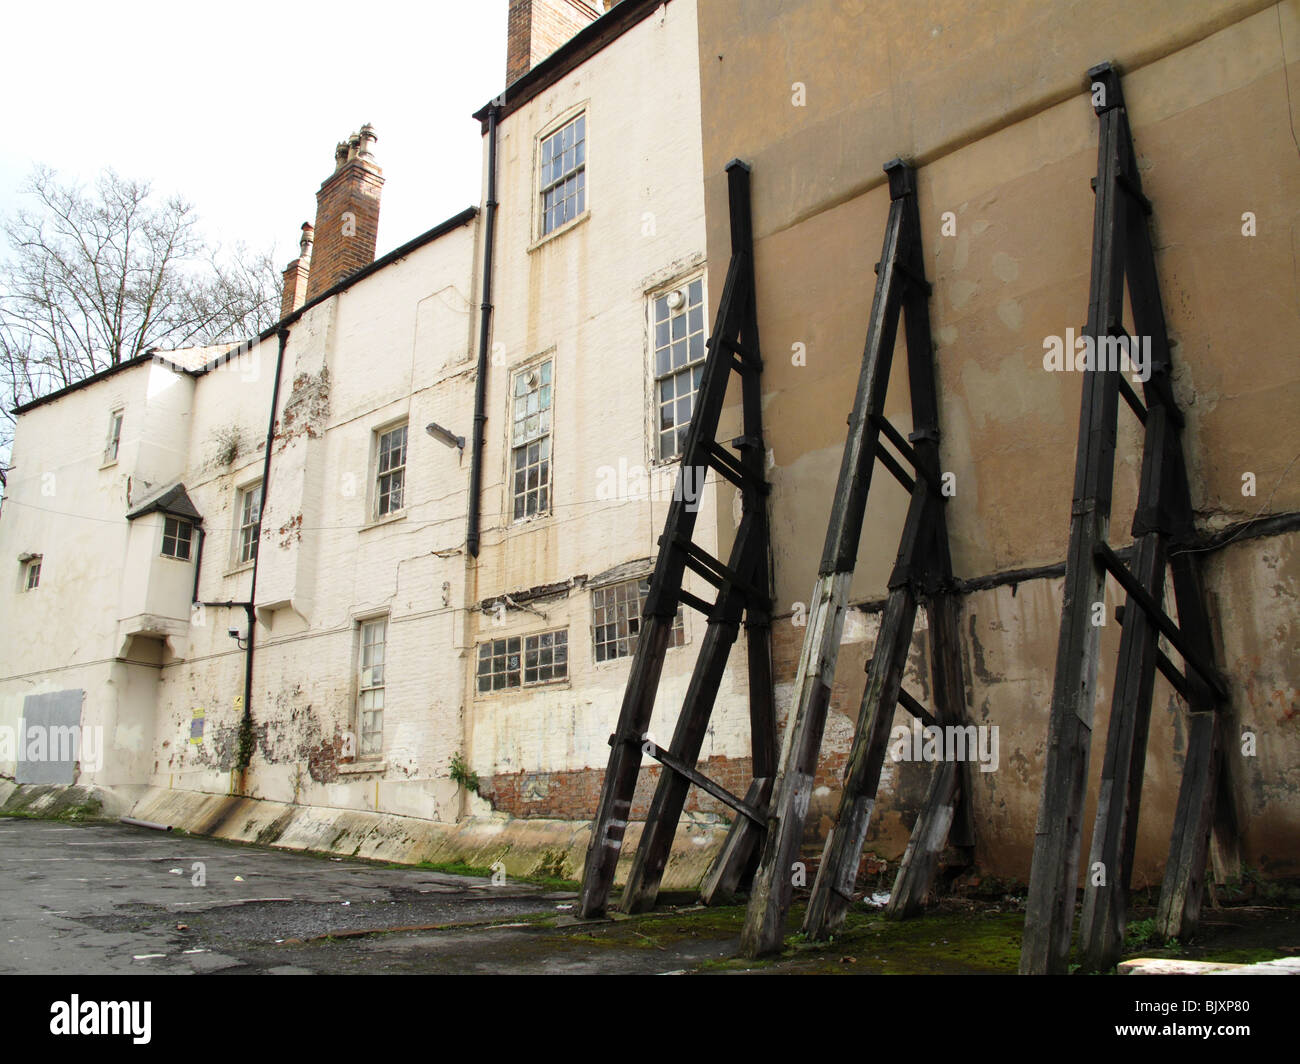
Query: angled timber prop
{"x":1162,"y":529}
{"x":743,"y":586}
{"x":923,"y":572}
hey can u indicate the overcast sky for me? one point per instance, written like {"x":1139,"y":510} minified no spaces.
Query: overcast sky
{"x":238,"y":106}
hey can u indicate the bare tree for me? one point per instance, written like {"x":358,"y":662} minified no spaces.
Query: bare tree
{"x":94,"y":278}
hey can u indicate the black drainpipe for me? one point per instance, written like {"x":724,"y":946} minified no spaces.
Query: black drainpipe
{"x":198,"y":566}
{"x":485,"y":325}
{"x":246,"y":724}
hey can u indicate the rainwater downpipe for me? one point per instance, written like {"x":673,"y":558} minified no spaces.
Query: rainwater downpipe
{"x":485,"y":328}
{"x":246,"y":723}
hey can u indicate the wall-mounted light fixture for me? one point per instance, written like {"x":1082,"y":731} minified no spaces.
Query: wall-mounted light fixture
{"x":446,"y":436}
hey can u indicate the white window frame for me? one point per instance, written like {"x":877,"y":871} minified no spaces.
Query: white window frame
{"x":532,"y":441}
{"x":627,"y":605}
{"x":175,"y":537}
{"x":512,"y":653}
{"x":667,"y":349}
{"x":377,"y":513}
{"x":114,"y":442}
{"x":553,"y":179}
{"x":242,"y":542}
{"x":32,"y":573}
{"x":372,"y":681}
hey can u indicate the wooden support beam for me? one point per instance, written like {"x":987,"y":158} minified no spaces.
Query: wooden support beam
{"x":945,"y":814}
{"x":769,"y":901}
{"x":726,"y":875}
{"x":692,"y":723}
{"x":1101,"y":929}
{"x":744,"y":591}
{"x":923,"y":562}
{"x":1152,"y":608}
{"x":833,"y":889}
{"x":1053,"y":879}
{"x":1122,"y":249}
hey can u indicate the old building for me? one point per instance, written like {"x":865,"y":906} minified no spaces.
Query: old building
{"x":380,"y":570}
{"x":422,"y":608}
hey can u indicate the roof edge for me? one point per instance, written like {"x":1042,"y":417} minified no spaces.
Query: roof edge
{"x":588,"y":41}
{"x":456,"y":221}
{"x":427,"y":237}
{"x":103,"y":374}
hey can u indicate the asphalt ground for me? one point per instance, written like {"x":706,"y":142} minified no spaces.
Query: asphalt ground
{"x":108,"y":899}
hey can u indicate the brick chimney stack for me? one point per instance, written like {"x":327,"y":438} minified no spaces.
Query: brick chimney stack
{"x":294,"y":294}
{"x":347,"y":214}
{"x":536,"y":28}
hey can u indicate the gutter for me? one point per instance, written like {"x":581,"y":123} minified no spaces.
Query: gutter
{"x":485,"y":327}
{"x":152,"y":355}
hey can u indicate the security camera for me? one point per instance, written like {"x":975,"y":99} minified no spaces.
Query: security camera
{"x":233,"y":633}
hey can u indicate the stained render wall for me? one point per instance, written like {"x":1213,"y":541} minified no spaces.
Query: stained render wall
{"x":67,"y":503}
{"x":394,"y":347}
{"x":580,"y":296}
{"x":991,"y":104}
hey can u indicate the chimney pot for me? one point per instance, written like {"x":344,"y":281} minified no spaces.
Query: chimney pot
{"x":347,"y":215}
{"x":368,"y":138}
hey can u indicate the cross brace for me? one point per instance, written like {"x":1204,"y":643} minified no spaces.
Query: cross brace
{"x":743,"y":586}
{"x":1122,"y":251}
{"x":923,"y":570}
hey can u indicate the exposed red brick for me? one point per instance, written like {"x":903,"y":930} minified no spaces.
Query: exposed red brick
{"x":347,"y":215}
{"x":536,"y":28}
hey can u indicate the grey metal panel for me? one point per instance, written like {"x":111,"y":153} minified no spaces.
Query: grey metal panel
{"x":51,"y":730}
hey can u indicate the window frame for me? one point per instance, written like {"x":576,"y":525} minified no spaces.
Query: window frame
{"x":693,"y":366}
{"x":677,"y":634}
{"x":241,"y":525}
{"x":364,"y":673}
{"x":32,"y":567}
{"x":542,"y":186}
{"x":113,"y":445}
{"x":520,"y":652}
{"x":180,"y":523}
{"x":377,"y":481}
{"x":544,"y":368}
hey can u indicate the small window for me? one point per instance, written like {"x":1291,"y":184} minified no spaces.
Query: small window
{"x":564,"y":174}
{"x":523,"y":661}
{"x":32,"y":575}
{"x":176,"y":538}
{"x":530,"y":441}
{"x":114,"y":436}
{"x":250,"y":522}
{"x":678,"y":322}
{"x":616,"y":619}
{"x":370,"y":687}
{"x":391,"y":478}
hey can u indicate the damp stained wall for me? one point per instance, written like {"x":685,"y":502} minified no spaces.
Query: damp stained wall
{"x":992,"y":107}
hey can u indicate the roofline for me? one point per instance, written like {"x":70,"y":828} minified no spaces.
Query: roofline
{"x":441,"y":229}
{"x":103,"y":374}
{"x":455,"y":222}
{"x":587,"y":42}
